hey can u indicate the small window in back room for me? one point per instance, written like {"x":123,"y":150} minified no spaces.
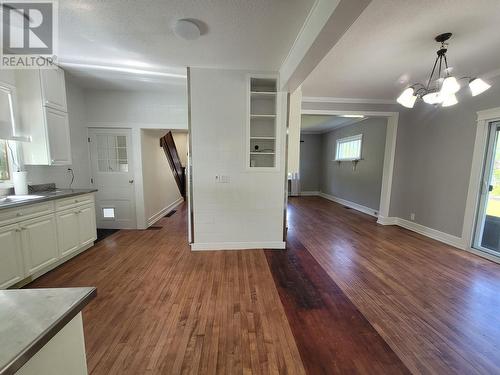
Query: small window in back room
{"x":108,"y":213}
{"x":349,"y":148}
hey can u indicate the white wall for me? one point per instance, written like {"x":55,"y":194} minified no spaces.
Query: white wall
{"x":161,"y":193}
{"x":294,"y":121}
{"x":247,"y":212}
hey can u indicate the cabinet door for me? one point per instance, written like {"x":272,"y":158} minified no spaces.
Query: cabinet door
{"x":88,"y":231}
{"x":53,"y":89}
{"x":11,"y":260}
{"x":58,"y":133}
{"x":39,"y":242}
{"x":68,"y":236}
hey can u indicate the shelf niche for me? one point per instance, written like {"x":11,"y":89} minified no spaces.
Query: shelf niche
{"x":263,"y":111}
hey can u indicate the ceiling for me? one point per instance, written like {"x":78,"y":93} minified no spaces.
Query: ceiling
{"x":321,"y":124}
{"x":236,"y":34}
{"x":392,"y":44}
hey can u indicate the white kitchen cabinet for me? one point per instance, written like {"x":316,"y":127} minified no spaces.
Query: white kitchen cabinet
{"x":86,"y":223}
{"x":39,"y":242}
{"x":59,"y":151}
{"x":11,"y":264}
{"x":68,"y":235}
{"x":76,"y":228}
{"x":53,"y":89}
{"x":42,"y":109}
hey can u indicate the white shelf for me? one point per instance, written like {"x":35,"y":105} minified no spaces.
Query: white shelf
{"x":261,"y":153}
{"x":262,"y":116}
{"x":266,"y":94}
{"x":264,"y":138}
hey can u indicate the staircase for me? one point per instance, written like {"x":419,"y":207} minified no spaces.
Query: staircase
{"x":179,"y":172}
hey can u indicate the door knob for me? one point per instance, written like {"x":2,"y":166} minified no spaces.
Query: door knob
{"x":130,"y":181}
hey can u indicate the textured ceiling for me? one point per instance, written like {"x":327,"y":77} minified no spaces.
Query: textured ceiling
{"x":237,"y":34}
{"x":392,"y":43}
{"x":322,"y":124}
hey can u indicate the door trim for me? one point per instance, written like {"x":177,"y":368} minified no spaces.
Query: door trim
{"x":484,"y":118}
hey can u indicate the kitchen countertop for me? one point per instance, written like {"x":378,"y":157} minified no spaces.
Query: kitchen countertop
{"x":29,"y":318}
{"x":44,"y":196}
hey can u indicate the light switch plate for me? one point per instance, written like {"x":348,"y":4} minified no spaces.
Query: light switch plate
{"x":221,"y":179}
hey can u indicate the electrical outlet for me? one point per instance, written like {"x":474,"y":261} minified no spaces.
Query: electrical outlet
{"x":412,"y":216}
{"x":222,"y":179}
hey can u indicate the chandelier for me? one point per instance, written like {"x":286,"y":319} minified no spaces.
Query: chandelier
{"x":441,"y":86}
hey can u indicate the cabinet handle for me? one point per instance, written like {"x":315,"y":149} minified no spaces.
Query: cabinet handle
{"x":17,"y":230}
{"x":23,"y":228}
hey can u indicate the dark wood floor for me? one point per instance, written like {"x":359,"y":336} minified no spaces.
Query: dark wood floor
{"x":349,"y":296}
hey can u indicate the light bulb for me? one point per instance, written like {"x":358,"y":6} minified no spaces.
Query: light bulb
{"x":450,"y":100}
{"x":407,"y":98}
{"x":478,"y":86}
{"x":450,"y":86}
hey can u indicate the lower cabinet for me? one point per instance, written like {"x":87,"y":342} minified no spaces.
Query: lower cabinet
{"x":35,"y":245}
{"x":39,"y":242}
{"x":76,"y":228}
{"x":11,"y":264}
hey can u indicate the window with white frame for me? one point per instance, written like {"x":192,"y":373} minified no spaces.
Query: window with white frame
{"x":349,"y":148}
{"x":5,"y":173}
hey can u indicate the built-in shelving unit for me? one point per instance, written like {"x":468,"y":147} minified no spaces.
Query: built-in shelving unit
{"x":262,"y":134}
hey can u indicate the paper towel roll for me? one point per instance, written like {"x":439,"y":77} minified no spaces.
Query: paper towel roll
{"x":20,"y":180}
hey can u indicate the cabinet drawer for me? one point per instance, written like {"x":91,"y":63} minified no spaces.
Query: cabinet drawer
{"x":12,"y":215}
{"x":63,"y":204}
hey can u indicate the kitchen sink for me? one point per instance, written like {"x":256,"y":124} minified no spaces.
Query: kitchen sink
{"x":19,"y":198}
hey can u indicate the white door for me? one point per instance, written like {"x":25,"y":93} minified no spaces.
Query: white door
{"x":11,"y":266}
{"x":39,"y":241}
{"x":58,"y":133}
{"x":113,"y":176}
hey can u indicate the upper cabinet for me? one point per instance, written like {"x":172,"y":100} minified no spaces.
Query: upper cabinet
{"x":53,"y":89}
{"x":43,"y":116}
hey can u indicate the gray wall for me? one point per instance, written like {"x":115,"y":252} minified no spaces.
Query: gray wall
{"x":433,"y":161}
{"x":310,"y":161}
{"x":363,"y":185}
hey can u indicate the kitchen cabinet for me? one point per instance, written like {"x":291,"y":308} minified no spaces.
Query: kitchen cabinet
{"x":11,"y":264}
{"x":53,"y":88}
{"x":76,"y":228}
{"x":39,"y":243}
{"x":42,"y":109}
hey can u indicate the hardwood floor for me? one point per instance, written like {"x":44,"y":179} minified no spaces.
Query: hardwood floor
{"x":349,"y":296}
{"x":437,"y":307}
{"x":162,"y":309}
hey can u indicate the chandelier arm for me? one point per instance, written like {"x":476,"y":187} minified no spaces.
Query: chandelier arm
{"x":440,"y":64}
{"x":432,"y":73}
{"x":446,"y":63}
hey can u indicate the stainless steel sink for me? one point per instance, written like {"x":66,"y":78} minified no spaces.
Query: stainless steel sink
{"x":19,"y":198}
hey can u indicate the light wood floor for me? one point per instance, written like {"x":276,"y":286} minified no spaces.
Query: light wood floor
{"x":437,"y":307}
{"x":163,"y":309}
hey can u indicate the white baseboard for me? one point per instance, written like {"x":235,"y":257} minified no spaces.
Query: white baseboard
{"x":157,"y":216}
{"x":387,"y":220}
{"x":432,"y":233}
{"x":309,"y":193}
{"x":355,"y":206}
{"x":197,"y":246}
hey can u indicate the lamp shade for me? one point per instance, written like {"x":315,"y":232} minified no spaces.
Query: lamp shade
{"x":450,"y":86}
{"x":450,"y":100}
{"x":407,"y":98}
{"x":478,"y":86}
{"x":432,"y":98}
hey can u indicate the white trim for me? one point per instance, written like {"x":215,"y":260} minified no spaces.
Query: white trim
{"x":390,"y":149}
{"x":353,"y":205}
{"x":432,"y":233}
{"x":197,"y":246}
{"x":160,"y":214}
{"x":478,"y":158}
{"x":309,"y":193}
{"x":387,"y":220}
{"x":329,"y":99}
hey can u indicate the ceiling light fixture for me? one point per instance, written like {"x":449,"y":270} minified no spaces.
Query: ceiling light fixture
{"x":441,"y":86}
{"x":187,"y":29}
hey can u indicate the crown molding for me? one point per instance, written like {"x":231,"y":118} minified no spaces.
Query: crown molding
{"x":329,"y":99}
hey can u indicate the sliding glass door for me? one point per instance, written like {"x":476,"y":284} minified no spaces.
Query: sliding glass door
{"x":487,"y":232}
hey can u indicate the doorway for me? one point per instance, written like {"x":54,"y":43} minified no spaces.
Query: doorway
{"x":113,"y":177}
{"x":487,"y":230}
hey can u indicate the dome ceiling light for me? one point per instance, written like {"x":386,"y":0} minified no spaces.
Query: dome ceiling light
{"x":187,"y":29}
{"x":441,"y":86}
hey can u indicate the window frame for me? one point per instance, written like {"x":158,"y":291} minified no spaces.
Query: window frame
{"x":357,"y":137}
{"x":8,"y":183}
